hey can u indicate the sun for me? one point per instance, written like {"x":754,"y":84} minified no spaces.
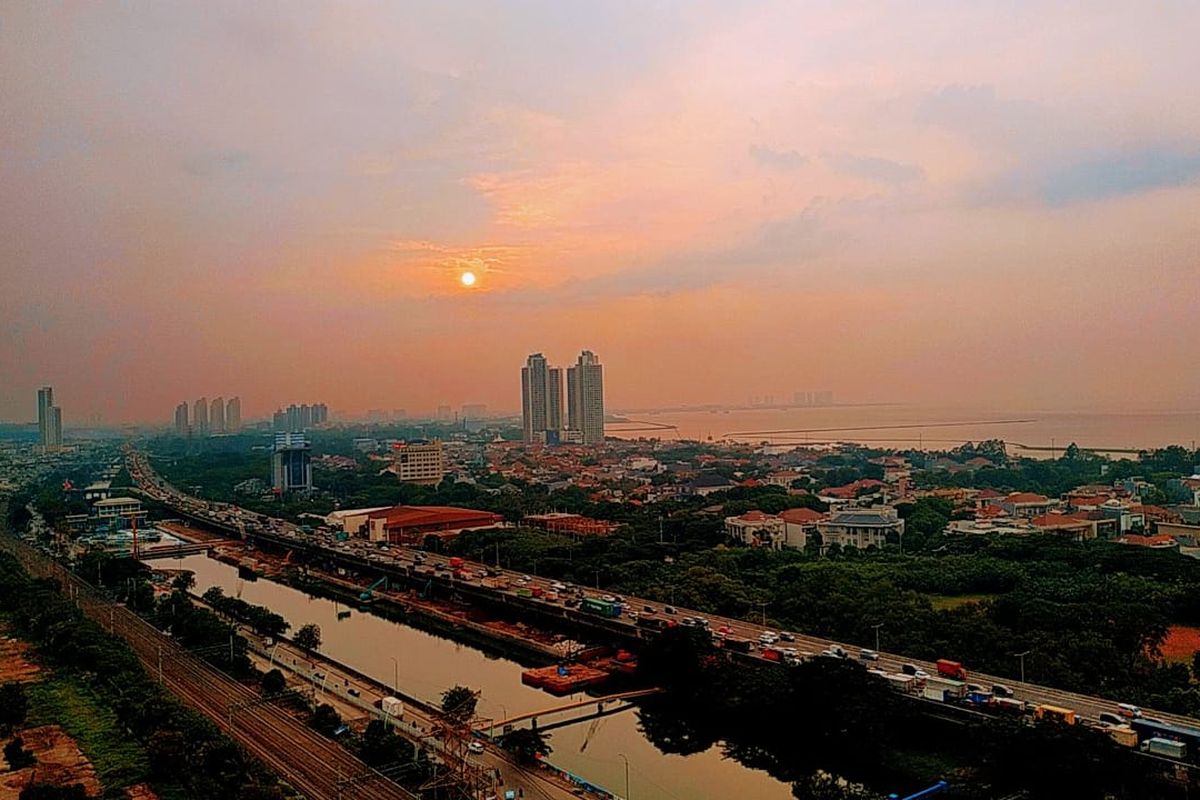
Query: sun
{"x":467,"y":278}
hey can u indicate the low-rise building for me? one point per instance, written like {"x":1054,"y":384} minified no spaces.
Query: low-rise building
{"x":756,"y":529}
{"x":861,"y":527}
{"x":1026,"y":504}
{"x":410,"y":525}
{"x":419,"y":462}
{"x":570,"y":524}
{"x":799,"y":525}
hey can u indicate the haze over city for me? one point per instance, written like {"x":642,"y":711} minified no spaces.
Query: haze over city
{"x":979,"y":204}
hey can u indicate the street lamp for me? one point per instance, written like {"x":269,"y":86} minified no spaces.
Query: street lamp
{"x":877,"y":626}
{"x":1022,"y":657}
{"x":395,"y":675}
{"x":626,"y":760}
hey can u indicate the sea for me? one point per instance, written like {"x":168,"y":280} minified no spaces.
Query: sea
{"x":1030,"y":433}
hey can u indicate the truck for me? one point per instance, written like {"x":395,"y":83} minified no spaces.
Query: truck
{"x":1049,"y":712}
{"x":738,"y":645}
{"x":392,"y":706}
{"x":951,"y":669}
{"x":456,"y":562}
{"x":1165,"y":747}
{"x":654,"y":623}
{"x":952,"y":690}
{"x":524,"y":591}
{"x":1123,"y":735}
{"x":600,"y":607}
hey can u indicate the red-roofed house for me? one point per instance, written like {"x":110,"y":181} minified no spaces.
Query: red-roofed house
{"x":1026,"y":504}
{"x":409,"y":525}
{"x":1161,"y":542}
{"x":798,"y":525}
{"x":1064,"y":524}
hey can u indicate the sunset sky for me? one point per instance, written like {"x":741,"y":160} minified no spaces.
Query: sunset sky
{"x":984,"y":204}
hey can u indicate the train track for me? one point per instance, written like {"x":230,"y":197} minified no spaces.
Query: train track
{"x":315,"y":766}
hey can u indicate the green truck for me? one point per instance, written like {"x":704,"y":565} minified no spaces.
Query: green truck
{"x":601,"y":608}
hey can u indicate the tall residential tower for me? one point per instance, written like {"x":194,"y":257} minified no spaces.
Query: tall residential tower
{"x":585,"y":399}
{"x":541,"y":400}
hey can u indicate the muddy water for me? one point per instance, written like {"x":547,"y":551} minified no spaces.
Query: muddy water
{"x":424,"y":665}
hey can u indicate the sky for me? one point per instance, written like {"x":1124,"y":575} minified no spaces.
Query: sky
{"x":986,"y":204}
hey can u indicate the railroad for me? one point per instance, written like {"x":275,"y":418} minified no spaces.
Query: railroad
{"x":315,"y":766}
{"x":549,"y":599}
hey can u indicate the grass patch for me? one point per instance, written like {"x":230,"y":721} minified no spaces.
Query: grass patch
{"x":944,"y":602}
{"x":119,"y":760}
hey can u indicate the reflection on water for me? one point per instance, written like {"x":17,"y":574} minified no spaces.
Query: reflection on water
{"x":425,"y":665}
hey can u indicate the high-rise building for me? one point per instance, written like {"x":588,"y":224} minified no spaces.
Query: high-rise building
{"x":291,"y":463}
{"x":472,"y":412}
{"x":54,"y":429}
{"x":585,"y":398}
{"x":200,"y":417}
{"x":181,"y":419}
{"x":444,"y":414}
{"x":419,"y":462}
{"x":535,"y":398}
{"x":45,"y":399}
{"x":554,"y":399}
{"x":216,"y":415}
{"x":49,"y":420}
{"x":233,"y":415}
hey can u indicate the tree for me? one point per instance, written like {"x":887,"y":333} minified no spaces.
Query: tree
{"x":184,"y":582}
{"x":17,"y":756}
{"x":308,"y":637}
{"x":14,"y":705}
{"x":379,"y":745}
{"x":526,"y":744}
{"x":458,"y":703}
{"x":325,"y":719}
{"x":44,"y":791}
{"x":273,"y":682}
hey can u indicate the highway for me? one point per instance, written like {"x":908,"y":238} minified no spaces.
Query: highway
{"x":436,"y":567}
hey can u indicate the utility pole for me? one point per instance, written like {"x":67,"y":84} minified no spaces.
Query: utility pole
{"x":395,"y":675}
{"x":763,"y":605}
{"x":877,"y":626}
{"x":1022,"y":657}
{"x":626,"y":760}
{"x":160,"y":680}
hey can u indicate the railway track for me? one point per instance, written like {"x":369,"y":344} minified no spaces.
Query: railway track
{"x":315,"y":766}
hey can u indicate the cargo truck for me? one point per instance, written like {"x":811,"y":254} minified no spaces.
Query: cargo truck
{"x":1165,"y":747}
{"x":599,"y":607}
{"x":738,"y":645}
{"x":392,"y":706}
{"x":951,"y":690}
{"x":1048,"y":712}
{"x":951,"y":669}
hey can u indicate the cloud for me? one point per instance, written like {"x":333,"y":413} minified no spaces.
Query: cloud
{"x":873,"y":168}
{"x":777,"y":159}
{"x":1121,"y":174}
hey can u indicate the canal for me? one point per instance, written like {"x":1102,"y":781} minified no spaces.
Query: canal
{"x":425,"y":665}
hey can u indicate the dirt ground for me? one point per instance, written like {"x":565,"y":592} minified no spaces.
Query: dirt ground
{"x":14,"y":666}
{"x":140,"y":792}
{"x":60,"y":762}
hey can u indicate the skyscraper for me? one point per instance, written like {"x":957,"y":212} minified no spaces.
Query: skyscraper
{"x":216,"y":415}
{"x":45,"y":401}
{"x":49,"y":420}
{"x":181,"y":419}
{"x":554,"y":399}
{"x":200,"y":417}
{"x":585,"y":398}
{"x":291,"y":463}
{"x":233,"y":415}
{"x":541,"y":399}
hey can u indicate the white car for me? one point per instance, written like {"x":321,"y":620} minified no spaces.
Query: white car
{"x":475,"y":747}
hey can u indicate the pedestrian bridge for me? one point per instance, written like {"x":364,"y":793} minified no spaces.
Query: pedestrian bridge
{"x":598,"y":702}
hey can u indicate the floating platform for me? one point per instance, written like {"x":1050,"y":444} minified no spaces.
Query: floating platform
{"x":564,"y":679}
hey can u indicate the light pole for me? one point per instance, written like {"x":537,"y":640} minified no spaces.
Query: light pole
{"x":1022,"y":657}
{"x":626,"y":760}
{"x":763,"y":606}
{"x":877,"y":626}
{"x":395,"y":675}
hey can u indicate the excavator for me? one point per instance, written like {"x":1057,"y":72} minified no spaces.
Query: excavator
{"x":368,"y":594}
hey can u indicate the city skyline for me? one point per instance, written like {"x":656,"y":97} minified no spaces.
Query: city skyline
{"x":953,"y":203}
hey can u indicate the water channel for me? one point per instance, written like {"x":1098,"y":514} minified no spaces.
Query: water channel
{"x":424,"y":665}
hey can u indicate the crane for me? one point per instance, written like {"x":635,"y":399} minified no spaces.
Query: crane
{"x":368,"y":594}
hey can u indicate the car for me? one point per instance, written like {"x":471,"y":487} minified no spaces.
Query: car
{"x":475,"y":747}
{"x":558,"y":586}
{"x":526,"y":578}
{"x":633,"y":615}
{"x":1000,"y":690}
{"x":975,"y":688}
{"x":648,"y":609}
{"x":1127,"y":710}
{"x":787,"y":636}
{"x":909,"y":669}
{"x":868,"y":655}
{"x":921,"y":674}
{"x":608,"y":598}
{"x":353,"y":692}
{"x":1109,"y":719}
{"x":668,"y":610}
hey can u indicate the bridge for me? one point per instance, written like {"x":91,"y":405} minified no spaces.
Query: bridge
{"x":172,"y":551}
{"x":599,"y":702}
